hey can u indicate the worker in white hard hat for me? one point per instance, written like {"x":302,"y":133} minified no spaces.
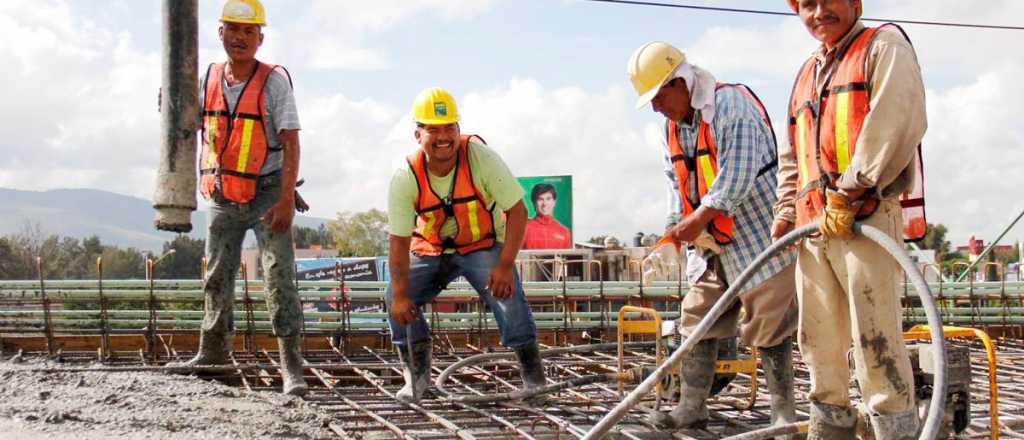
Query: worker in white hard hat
{"x":856,"y":120}
{"x":248,"y":170}
{"x":720,"y":163}
{"x":455,"y":209}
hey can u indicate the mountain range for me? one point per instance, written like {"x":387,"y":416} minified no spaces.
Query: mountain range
{"x":120,"y":220}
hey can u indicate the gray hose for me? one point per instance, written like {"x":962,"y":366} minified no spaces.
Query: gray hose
{"x":526,"y":394}
{"x":936,"y":409}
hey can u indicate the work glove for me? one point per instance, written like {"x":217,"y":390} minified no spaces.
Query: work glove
{"x":662,"y":261}
{"x":706,"y":242}
{"x":839,"y":215}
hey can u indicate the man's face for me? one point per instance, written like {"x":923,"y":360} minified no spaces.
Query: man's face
{"x":440,"y":142}
{"x":673,"y":100}
{"x":828,"y":20}
{"x":241,"y":40}
{"x":545,"y":204}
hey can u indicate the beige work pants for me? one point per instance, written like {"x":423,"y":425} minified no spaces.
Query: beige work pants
{"x":848,"y":294}
{"x":769,"y":312}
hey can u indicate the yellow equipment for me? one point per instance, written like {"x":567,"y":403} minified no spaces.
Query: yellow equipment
{"x":650,"y":67}
{"x":652,"y":326}
{"x":243,"y":11}
{"x":435,"y":106}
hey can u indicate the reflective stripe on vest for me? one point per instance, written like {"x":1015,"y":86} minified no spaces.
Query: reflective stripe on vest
{"x":474,"y":220}
{"x":234,"y":143}
{"x":705,"y":165}
{"x":824,"y":129}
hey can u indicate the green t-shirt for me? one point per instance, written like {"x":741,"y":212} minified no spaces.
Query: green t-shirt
{"x":490,"y":175}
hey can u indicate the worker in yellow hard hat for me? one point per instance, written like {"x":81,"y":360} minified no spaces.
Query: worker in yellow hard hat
{"x":856,"y":120}
{"x":248,"y":166}
{"x":454,"y":210}
{"x":720,"y":162}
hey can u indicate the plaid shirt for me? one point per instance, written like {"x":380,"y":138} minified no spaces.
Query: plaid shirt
{"x":744,"y":186}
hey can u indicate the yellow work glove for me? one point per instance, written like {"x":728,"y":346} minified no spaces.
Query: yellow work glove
{"x":662,"y":261}
{"x":839,"y":214}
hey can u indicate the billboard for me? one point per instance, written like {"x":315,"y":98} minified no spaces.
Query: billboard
{"x":549,"y":211}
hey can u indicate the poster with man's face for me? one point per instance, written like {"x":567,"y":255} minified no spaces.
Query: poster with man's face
{"x":548,"y":202}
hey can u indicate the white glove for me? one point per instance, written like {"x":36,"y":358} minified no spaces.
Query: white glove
{"x":707,"y":242}
{"x":662,"y":261}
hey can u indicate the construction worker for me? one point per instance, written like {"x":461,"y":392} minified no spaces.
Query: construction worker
{"x":720,"y":163}
{"x":248,"y":169}
{"x":455,"y":210}
{"x":856,"y":119}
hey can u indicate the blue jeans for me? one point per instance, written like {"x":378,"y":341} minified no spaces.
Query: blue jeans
{"x":428,"y":276}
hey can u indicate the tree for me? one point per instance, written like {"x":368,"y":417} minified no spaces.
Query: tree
{"x":306,"y":237}
{"x":185,"y":262}
{"x":12,"y":265}
{"x":935,"y":238}
{"x":362,"y":234}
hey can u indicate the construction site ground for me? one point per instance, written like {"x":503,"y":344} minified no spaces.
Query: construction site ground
{"x":351,"y":397}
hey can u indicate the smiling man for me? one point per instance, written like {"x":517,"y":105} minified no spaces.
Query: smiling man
{"x":248,"y":166}
{"x":454,"y":210}
{"x":720,"y":164}
{"x":543,"y":231}
{"x":856,"y":119}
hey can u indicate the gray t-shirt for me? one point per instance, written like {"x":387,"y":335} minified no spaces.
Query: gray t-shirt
{"x":279,"y":110}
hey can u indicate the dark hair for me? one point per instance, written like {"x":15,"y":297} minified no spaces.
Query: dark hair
{"x":541,"y":189}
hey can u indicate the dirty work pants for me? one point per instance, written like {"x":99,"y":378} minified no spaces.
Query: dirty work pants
{"x":848,"y":294}
{"x":769,"y":313}
{"x":429,"y":275}
{"x":228,"y":223}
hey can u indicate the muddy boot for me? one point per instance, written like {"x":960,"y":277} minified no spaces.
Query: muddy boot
{"x":831,"y":422}
{"x":416,"y":372}
{"x":291,"y":366}
{"x":902,"y":426}
{"x":697,"y":371}
{"x":778,"y":371}
{"x":214,"y":349}
{"x":531,"y":370}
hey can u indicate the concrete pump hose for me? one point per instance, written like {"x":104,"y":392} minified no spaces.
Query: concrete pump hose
{"x":936,"y":409}
{"x":526,"y":394}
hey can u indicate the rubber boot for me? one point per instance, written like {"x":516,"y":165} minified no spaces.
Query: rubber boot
{"x":831,"y":422}
{"x":697,"y":371}
{"x":778,"y":371}
{"x":531,"y":369}
{"x":902,"y":426}
{"x":214,"y":349}
{"x":291,"y":366}
{"x":416,"y":372}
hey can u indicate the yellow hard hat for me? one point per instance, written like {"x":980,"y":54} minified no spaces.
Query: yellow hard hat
{"x":435,"y":106}
{"x":649,"y":68}
{"x":796,"y":8}
{"x":243,"y":11}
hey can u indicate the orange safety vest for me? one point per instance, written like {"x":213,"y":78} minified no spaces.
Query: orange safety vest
{"x":705,"y":165}
{"x":234,"y":144}
{"x":473,"y":217}
{"x":823,"y":132}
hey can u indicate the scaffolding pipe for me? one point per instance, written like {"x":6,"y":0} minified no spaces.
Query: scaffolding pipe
{"x":174,"y":198}
{"x":936,"y":409}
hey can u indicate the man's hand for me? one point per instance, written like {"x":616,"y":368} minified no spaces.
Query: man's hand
{"x":403,"y":310}
{"x":281,"y":215}
{"x":780,"y":227}
{"x":502,"y":281}
{"x":662,"y":260}
{"x":688,"y":229}
{"x":839,"y":216}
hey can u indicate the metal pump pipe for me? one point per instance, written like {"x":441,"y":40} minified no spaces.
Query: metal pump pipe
{"x":936,"y":409}
{"x":174,"y":198}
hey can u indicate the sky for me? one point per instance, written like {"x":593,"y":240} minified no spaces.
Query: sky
{"x":544,"y":81}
